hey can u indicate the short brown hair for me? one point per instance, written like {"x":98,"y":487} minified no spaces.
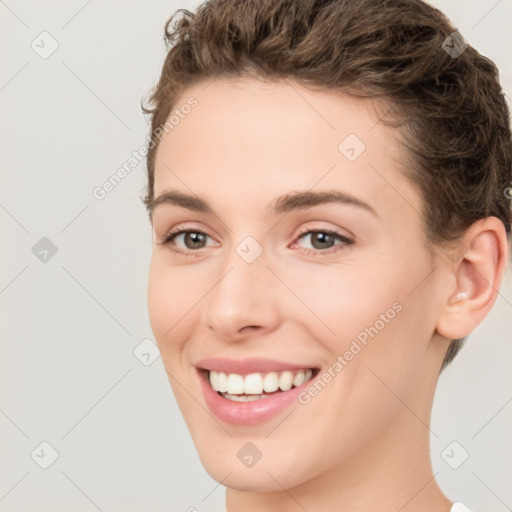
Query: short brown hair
{"x":454,"y":120}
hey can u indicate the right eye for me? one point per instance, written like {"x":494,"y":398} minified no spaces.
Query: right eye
{"x":190,"y":240}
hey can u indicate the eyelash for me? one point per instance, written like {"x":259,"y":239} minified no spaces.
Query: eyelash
{"x":169,"y":237}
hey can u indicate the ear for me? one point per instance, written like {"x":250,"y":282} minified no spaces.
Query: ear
{"x":478,"y":266}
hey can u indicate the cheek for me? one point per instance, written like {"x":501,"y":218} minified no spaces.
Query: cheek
{"x":169,"y":299}
{"x":373,"y":314}
{"x":160,"y":305}
{"x":343,"y":301}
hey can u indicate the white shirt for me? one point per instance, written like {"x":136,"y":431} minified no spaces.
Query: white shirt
{"x":459,"y":507}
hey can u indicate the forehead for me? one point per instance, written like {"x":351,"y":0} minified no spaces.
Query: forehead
{"x":249,"y":136}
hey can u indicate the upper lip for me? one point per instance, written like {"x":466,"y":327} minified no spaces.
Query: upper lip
{"x":245,"y":366}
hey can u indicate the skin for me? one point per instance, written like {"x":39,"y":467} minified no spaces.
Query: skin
{"x":363,"y":442}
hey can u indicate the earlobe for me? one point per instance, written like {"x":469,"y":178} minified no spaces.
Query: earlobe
{"x":478,"y":275}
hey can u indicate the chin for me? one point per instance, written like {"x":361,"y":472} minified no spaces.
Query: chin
{"x":225,"y":464}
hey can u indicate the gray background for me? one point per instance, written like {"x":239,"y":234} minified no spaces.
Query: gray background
{"x":69,"y":375}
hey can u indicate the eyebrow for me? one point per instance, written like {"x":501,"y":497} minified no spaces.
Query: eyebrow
{"x":283,"y":204}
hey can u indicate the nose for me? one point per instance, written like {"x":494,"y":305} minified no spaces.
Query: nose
{"x":243,"y":300}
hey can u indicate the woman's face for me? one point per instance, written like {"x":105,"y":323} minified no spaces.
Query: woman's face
{"x":301,"y":248}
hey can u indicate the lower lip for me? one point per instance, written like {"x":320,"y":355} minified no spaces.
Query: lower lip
{"x":247,"y":413}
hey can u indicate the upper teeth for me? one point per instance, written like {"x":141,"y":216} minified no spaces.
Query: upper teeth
{"x":257,"y":383}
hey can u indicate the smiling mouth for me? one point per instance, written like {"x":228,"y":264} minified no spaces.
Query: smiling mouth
{"x":258,"y":385}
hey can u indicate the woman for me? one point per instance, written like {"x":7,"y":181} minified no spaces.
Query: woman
{"x":329,"y":188}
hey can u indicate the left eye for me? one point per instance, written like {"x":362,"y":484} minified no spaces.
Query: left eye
{"x":320,"y":240}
